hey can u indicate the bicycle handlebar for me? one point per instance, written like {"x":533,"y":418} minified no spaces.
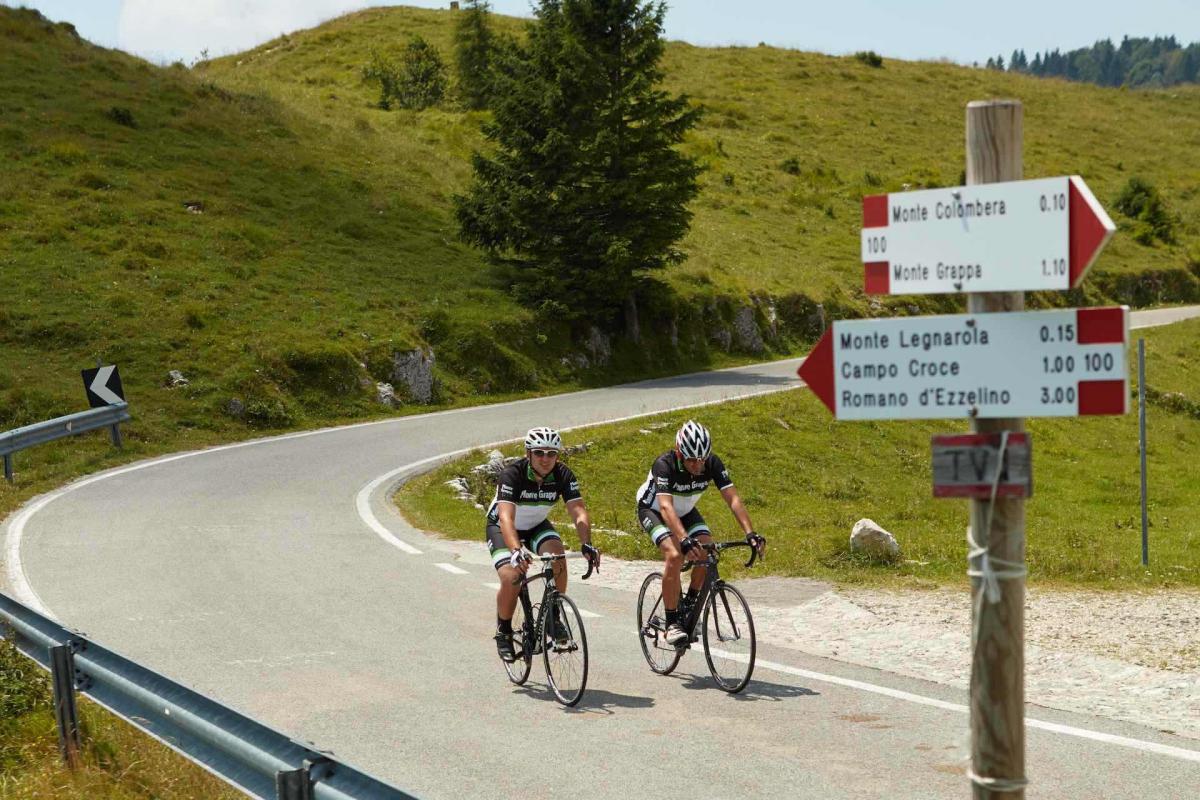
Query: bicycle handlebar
{"x":715,"y":547}
{"x":546,"y":559}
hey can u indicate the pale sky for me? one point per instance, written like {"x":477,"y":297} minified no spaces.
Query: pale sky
{"x":178,"y":30}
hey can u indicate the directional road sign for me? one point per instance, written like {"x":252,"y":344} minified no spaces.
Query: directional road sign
{"x":103,"y":386}
{"x":1061,"y":363}
{"x":965,"y":465}
{"x":995,"y":237}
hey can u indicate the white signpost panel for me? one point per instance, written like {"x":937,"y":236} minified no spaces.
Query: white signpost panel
{"x":996,"y":237}
{"x":1061,"y":363}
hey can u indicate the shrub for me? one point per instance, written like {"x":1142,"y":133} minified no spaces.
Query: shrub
{"x":1139,"y":200}
{"x":791,"y":166}
{"x":870,"y":58}
{"x":122,"y":116}
{"x":423,"y":81}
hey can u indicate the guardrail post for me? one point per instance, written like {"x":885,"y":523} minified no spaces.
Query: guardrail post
{"x":293,"y":785}
{"x":116,"y":435}
{"x":62,"y":678}
{"x":297,"y":784}
{"x":8,"y":471}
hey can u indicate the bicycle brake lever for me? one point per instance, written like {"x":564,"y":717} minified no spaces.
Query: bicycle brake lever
{"x":753,"y":556}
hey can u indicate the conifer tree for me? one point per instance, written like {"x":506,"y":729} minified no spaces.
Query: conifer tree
{"x":584,"y":191}
{"x":474,"y":47}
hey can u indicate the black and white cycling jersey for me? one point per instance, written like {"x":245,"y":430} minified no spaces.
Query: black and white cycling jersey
{"x":668,"y":475}
{"x":517,"y":484}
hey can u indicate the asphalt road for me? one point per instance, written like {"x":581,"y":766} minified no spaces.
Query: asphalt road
{"x":274,"y":576}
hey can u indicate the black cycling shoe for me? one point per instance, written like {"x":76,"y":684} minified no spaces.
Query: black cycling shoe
{"x":504,"y":647}
{"x":562,"y":633}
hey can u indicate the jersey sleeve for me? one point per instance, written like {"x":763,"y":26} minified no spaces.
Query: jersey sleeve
{"x":508,"y":485}
{"x":718,"y":473}
{"x":660,"y":476}
{"x":570,"y":485}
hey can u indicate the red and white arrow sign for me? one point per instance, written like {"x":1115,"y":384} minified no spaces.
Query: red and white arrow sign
{"x":1031,"y":235}
{"x":1061,"y":363}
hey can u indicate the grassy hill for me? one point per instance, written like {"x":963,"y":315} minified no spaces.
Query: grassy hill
{"x":258,"y":224}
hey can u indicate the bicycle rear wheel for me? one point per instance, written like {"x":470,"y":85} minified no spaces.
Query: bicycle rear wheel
{"x":565,"y":652}
{"x":652,"y":624}
{"x":729,"y":643}
{"x":522,"y":625}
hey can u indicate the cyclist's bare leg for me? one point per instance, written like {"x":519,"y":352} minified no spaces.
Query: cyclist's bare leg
{"x":698,"y":571}
{"x":506,"y":597}
{"x":555,"y":547}
{"x":672,"y":564}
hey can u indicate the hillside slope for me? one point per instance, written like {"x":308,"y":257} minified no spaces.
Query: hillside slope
{"x":792,"y":141}
{"x":258,"y":224}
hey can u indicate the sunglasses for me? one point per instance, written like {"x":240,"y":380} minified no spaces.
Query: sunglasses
{"x":545,"y":453}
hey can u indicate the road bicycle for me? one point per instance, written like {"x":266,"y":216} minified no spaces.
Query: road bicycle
{"x":553,"y":628}
{"x":720,"y":612}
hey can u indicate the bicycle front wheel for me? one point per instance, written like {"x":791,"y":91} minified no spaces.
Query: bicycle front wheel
{"x":652,"y":627}
{"x":729,"y":644}
{"x":522,"y":625}
{"x":565,"y":652}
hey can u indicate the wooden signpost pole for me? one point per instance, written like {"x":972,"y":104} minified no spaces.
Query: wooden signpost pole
{"x":994,"y":154}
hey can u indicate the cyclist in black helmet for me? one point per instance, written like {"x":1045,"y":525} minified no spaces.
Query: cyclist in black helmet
{"x":666,"y":508}
{"x":525,"y":492}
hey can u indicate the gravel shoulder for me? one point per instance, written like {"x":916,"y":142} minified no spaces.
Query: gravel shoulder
{"x":1130,"y":656}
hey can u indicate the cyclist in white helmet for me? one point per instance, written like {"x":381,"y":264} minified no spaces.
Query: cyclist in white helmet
{"x":525,"y":492}
{"x":666,"y":509}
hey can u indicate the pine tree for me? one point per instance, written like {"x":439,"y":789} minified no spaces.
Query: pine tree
{"x":474,"y":48}
{"x":584,"y":192}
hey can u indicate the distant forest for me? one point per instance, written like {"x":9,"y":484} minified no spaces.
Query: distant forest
{"x":1156,"y":62}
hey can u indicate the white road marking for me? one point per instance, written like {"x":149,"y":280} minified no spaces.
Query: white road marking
{"x":1054,"y":727}
{"x":492,"y":585}
{"x":453,"y":570}
{"x":585,"y":613}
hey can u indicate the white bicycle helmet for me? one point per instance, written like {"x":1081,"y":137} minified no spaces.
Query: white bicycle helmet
{"x":543,"y":438}
{"x":693,"y":440}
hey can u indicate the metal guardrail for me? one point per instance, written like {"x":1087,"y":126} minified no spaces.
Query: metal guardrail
{"x":61,"y":427}
{"x":256,"y":759}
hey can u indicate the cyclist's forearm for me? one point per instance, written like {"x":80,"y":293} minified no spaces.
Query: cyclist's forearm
{"x":739,"y":510}
{"x":583,"y":522}
{"x":674,"y":525}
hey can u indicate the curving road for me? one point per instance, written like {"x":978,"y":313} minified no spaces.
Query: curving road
{"x":274,"y":576}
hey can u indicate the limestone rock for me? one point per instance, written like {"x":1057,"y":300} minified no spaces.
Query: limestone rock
{"x":868,"y":538}
{"x":599,"y":346}
{"x":175,"y":378}
{"x":414,"y":371}
{"x":385,"y":394}
{"x":745,"y":331}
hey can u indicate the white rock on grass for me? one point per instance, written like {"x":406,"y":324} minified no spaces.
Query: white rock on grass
{"x":869,"y":538}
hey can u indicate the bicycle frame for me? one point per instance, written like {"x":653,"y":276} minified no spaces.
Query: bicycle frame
{"x":712,"y":580}
{"x":550,"y":592}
